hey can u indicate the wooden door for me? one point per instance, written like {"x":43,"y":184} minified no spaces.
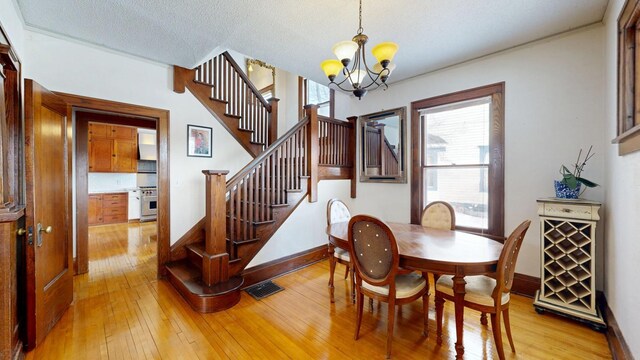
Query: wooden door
{"x":126,"y":153}
{"x":101,"y":155}
{"x":49,"y":267}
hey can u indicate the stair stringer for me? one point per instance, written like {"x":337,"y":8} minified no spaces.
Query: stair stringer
{"x":183,"y":79}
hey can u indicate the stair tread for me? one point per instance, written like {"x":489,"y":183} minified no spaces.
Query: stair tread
{"x":245,"y":130}
{"x":202,"y":83}
{"x":190,"y":276}
{"x":233,"y":116}
{"x":257,"y":143}
{"x":254,"y":222}
{"x":218,"y":100}
{"x":247,"y":241}
{"x":198,"y":247}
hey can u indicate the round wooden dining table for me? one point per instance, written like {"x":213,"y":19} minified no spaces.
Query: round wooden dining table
{"x":437,"y":251}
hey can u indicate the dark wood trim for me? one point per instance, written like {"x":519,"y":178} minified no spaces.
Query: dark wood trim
{"x":617,"y":344}
{"x":82,"y":191}
{"x":116,"y":119}
{"x":161,"y":117}
{"x":525,"y":285}
{"x":628,"y":68}
{"x":496,"y":167}
{"x":282,"y":266}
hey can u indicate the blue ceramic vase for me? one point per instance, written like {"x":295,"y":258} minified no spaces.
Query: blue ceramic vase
{"x":564,"y":192}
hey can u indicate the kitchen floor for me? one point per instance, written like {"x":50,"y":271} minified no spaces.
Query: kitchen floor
{"x":122,"y":247}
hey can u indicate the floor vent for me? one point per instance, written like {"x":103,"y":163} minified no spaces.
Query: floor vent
{"x":262,"y":290}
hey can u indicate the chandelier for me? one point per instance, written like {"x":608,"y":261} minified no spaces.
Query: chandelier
{"x":360,"y":78}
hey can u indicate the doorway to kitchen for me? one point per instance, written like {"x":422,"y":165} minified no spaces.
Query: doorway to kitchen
{"x":125,"y":132}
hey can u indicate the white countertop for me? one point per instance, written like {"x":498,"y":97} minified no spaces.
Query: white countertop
{"x":109,"y":191}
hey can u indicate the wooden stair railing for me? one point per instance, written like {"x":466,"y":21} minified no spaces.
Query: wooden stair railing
{"x":243,"y":213}
{"x":226,"y":91}
{"x":380,"y":154}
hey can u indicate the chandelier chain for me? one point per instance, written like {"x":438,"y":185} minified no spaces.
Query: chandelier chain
{"x":360,"y":29}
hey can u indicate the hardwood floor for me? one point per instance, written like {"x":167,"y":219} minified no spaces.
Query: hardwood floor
{"x":121,"y":311}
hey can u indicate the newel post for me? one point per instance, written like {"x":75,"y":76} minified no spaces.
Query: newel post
{"x":353,"y":120}
{"x":215,"y":260}
{"x":313,"y":155}
{"x":273,"y":121}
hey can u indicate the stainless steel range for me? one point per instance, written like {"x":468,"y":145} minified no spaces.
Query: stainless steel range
{"x":148,"y":203}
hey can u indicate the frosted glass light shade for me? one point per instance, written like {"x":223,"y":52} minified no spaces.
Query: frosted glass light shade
{"x":331,"y":67}
{"x":377,"y":68}
{"x":357,"y":76}
{"x":385,"y":51}
{"x":345,"y":49}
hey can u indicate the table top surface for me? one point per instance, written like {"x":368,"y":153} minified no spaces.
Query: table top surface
{"x":433,"y":245}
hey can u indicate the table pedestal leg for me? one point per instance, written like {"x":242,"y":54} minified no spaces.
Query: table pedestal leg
{"x":458,"y":293}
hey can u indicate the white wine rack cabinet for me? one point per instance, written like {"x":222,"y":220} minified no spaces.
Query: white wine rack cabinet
{"x":568,"y":263}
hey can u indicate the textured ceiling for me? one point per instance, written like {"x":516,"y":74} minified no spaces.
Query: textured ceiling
{"x":296,"y":35}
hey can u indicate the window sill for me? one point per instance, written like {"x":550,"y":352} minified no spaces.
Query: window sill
{"x":628,"y":141}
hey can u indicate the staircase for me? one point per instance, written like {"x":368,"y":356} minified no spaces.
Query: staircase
{"x":243,"y":213}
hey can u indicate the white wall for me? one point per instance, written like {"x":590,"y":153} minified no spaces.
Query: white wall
{"x":11,"y":21}
{"x":74,"y":67}
{"x":78,"y":68}
{"x":553,"y":107}
{"x":623,"y":203}
{"x":107,"y":182}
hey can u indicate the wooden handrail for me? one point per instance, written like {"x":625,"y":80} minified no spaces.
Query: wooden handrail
{"x":245,"y":78}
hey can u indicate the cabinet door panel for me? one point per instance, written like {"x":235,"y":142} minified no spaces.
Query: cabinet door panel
{"x":98,"y":131}
{"x":126,"y":156}
{"x":100,"y":155}
{"x":123,"y":132}
{"x":95,"y":209}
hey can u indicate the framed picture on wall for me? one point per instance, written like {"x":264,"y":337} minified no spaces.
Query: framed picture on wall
{"x":199,"y":140}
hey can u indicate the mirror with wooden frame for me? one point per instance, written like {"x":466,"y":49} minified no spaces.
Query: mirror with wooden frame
{"x":382,"y":146}
{"x":263,"y":76}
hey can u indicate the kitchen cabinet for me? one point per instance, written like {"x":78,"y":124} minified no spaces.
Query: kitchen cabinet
{"x":95,"y":209}
{"x":110,"y":208}
{"x":112,"y":148}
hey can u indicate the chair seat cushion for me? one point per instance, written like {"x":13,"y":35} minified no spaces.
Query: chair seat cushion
{"x":406,"y":286}
{"x":478,"y":289}
{"x":341,"y":254}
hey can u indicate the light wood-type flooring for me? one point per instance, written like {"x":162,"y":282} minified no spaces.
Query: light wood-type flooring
{"x":121,"y":311}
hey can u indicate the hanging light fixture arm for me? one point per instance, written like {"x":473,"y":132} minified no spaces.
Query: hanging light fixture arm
{"x":360,"y":71}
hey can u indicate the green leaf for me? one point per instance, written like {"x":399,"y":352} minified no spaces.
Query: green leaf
{"x":570,"y":181}
{"x":566,"y":171}
{"x":587,"y":182}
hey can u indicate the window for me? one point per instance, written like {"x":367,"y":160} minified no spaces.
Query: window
{"x":628,"y":73}
{"x":460,"y":137}
{"x":311,"y":92}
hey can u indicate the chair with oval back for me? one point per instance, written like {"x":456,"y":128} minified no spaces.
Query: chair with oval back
{"x":487,"y":294}
{"x":375,"y":259}
{"x":337,"y":211}
{"x":439,"y":215}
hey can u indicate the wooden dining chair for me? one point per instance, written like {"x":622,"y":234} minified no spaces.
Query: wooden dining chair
{"x":487,"y":294}
{"x":375,"y":258}
{"x":438,"y":215}
{"x":337,"y":211}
